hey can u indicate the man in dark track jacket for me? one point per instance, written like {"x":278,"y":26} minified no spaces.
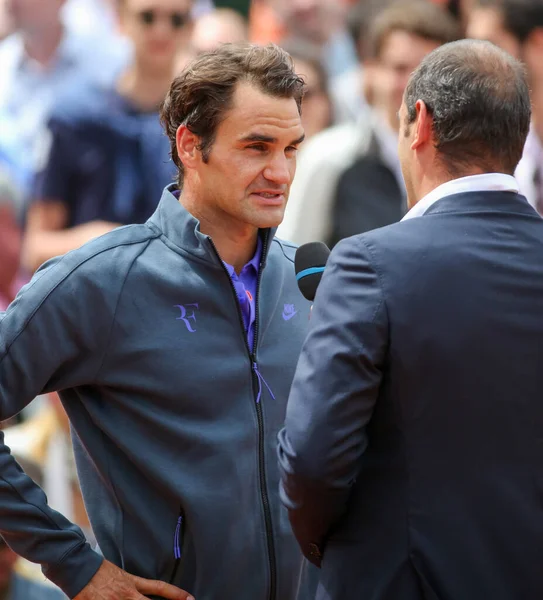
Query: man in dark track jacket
{"x":174,"y":344}
{"x":412,"y":452}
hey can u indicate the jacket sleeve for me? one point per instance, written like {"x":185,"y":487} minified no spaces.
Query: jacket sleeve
{"x":333,"y":395}
{"x":52,"y":337}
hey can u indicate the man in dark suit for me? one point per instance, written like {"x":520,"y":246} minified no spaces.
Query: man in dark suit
{"x":412,"y":455}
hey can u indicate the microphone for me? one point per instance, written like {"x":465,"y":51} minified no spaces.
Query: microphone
{"x":309,"y":264}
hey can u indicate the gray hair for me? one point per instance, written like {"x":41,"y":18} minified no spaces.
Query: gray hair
{"x":479,"y":100}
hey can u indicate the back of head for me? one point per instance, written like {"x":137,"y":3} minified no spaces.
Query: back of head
{"x":479,"y":100}
{"x":201,"y":95}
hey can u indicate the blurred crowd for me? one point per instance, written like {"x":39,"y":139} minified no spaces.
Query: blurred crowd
{"x":82,"y":150}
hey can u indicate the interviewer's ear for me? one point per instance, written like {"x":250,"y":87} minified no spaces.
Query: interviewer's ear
{"x":423,"y":126}
{"x":187,"y":146}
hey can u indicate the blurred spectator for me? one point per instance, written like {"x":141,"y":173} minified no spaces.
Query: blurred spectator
{"x":496,"y":22}
{"x":348,"y":178}
{"x":317,"y":107}
{"x":90,"y":16}
{"x":37,"y":61}
{"x":349,"y":93}
{"x":108,"y":155}
{"x":517,"y":27}
{"x":264,"y":25}
{"x":453,"y":6}
{"x":6,"y":25}
{"x":240,"y":6}
{"x":220,"y":26}
{"x":201,"y":7}
{"x":10,"y":242}
{"x":13,"y":586}
{"x":319,"y":22}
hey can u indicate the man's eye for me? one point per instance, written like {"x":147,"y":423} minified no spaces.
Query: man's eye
{"x":291,"y":149}
{"x":258,"y":147}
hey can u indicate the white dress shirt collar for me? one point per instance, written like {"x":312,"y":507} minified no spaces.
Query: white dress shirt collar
{"x":473,"y":183}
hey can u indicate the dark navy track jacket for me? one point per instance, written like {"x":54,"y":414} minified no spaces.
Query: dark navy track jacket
{"x":140,"y":331}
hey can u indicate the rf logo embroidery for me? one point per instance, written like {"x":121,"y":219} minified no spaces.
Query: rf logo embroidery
{"x":288,"y":312}
{"x":186,"y":317}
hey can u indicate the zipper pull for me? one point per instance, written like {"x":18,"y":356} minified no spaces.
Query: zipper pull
{"x":177,"y":538}
{"x":261,"y":380}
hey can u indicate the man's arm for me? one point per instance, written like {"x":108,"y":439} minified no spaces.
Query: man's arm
{"x":47,"y":342}
{"x":333,"y":395}
{"x":47,"y":233}
{"x":54,"y":336}
{"x":47,"y":236}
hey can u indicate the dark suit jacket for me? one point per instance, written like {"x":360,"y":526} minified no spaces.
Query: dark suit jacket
{"x":412,"y":457}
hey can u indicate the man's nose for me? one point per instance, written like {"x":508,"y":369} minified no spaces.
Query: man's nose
{"x":278,"y":170}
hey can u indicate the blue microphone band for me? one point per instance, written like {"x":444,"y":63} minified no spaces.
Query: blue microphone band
{"x":310,"y":271}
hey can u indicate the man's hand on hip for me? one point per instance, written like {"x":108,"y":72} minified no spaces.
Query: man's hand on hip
{"x":112,"y":583}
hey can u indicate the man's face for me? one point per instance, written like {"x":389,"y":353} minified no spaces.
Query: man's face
{"x":487,"y":24}
{"x":10,"y":247}
{"x":401,"y":54}
{"x":252,"y":161}
{"x":157,"y":28}
{"x":32,"y":15}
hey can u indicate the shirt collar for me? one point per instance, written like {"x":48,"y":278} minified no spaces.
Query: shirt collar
{"x":486,"y":182}
{"x":254,"y":262}
{"x":183,"y":230}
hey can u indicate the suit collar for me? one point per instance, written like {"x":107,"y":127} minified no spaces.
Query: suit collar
{"x":474,"y":183}
{"x":482,"y":201}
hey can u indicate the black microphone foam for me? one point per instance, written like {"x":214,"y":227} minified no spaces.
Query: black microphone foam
{"x":309,"y":264}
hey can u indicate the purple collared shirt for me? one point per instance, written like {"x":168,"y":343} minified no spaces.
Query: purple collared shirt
{"x":245,"y":285}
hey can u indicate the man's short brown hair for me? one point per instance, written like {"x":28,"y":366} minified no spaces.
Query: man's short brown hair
{"x":202,"y":94}
{"x":420,"y":18}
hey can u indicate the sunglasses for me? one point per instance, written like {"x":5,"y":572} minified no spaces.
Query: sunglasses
{"x":150,"y":17}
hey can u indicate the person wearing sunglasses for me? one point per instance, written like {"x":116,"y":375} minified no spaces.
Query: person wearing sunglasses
{"x":104,"y":152}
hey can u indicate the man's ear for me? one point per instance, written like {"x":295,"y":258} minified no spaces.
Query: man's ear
{"x":187,"y":146}
{"x":422,"y":125}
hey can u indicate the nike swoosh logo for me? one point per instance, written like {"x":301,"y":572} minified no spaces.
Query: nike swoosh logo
{"x":289,"y":317}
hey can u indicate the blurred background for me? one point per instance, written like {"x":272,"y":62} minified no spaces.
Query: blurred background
{"x":82,"y":151}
